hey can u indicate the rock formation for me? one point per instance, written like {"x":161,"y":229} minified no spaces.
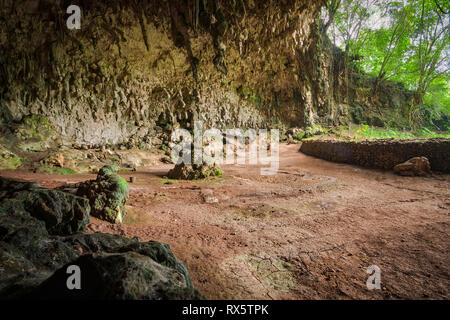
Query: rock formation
{"x":193,"y":172}
{"x":417,"y":166}
{"x":107,"y":194}
{"x":41,"y":234}
{"x":134,"y":71}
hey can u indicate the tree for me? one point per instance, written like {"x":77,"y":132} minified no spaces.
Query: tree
{"x":429,"y":46}
{"x":349,"y":26}
{"x":350,"y":22}
{"x":332,"y":7}
{"x":391,"y":42}
{"x":406,"y":41}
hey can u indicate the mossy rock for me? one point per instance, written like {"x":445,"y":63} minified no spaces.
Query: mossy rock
{"x":108,"y":170}
{"x":314,"y":130}
{"x":107,"y":194}
{"x":38,"y":241}
{"x":119,"y":276}
{"x":34,"y":134}
{"x":194,"y":172}
{"x":9,"y":160}
{"x":38,"y":123}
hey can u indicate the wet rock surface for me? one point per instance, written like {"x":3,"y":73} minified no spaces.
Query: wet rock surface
{"x":41,"y":235}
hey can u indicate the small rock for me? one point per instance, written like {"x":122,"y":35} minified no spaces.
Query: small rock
{"x":194,"y":172}
{"x":79,"y":249}
{"x":166,"y":160}
{"x":417,"y":166}
{"x":55,"y":160}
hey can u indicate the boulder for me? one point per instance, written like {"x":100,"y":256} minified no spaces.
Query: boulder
{"x":127,"y":275}
{"x":107,"y":194}
{"x":193,"y":172}
{"x":40,"y":236}
{"x":417,"y":166}
{"x":62,"y":213}
{"x":55,"y":160}
{"x":30,"y":217}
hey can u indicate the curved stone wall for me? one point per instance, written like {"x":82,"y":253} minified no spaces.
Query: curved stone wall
{"x":384,"y":154}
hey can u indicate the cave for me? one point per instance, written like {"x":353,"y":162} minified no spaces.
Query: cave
{"x":221,"y":150}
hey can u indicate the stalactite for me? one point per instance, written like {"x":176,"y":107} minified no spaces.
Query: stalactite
{"x":181,"y":36}
{"x":196,"y":14}
{"x":143,"y":30}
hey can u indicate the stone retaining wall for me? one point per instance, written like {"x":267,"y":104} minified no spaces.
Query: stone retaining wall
{"x":384,"y":154}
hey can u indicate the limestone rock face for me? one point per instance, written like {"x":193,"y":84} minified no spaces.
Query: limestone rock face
{"x":40,"y":236}
{"x":134,"y":75}
{"x":417,"y":166}
{"x":123,"y":77}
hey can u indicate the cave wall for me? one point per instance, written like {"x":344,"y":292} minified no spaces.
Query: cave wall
{"x":136,"y":68}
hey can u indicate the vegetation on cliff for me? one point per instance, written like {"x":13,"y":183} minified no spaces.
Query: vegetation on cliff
{"x":398,"y":41}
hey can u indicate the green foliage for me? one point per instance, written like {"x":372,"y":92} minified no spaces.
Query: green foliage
{"x":255,"y":99}
{"x":300,"y":135}
{"x":9,"y":160}
{"x":314,"y":130}
{"x":382,"y":133}
{"x":252,"y":96}
{"x":168,"y":181}
{"x":367,"y":132}
{"x":62,"y":171}
{"x":404,"y":41}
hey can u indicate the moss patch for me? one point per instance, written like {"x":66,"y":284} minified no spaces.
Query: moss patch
{"x":34,"y":133}
{"x":364,"y":132}
{"x":194,"y":172}
{"x":168,"y":181}
{"x":9,"y":160}
{"x":62,"y":171}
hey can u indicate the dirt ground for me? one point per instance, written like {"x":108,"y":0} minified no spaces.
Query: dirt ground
{"x":308,"y":232}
